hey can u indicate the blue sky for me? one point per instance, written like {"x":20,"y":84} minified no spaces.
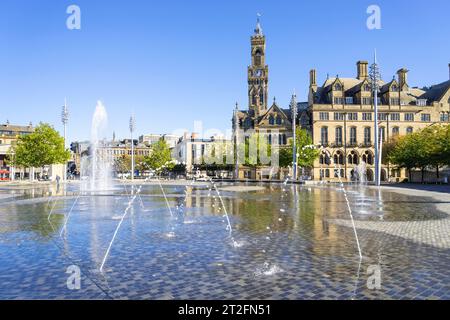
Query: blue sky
{"x":174,"y":62}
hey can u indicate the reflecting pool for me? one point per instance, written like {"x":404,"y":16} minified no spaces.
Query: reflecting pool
{"x":285,"y":242}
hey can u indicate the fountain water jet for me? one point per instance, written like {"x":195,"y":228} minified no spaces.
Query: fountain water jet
{"x":97,"y":168}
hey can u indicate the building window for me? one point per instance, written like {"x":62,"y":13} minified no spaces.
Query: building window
{"x":353,"y":116}
{"x":395,"y":131}
{"x":324,"y":116}
{"x":338,"y":87}
{"x":421,"y":102}
{"x":324,"y":135}
{"x":383,"y":116}
{"x":271,"y":120}
{"x":353,"y":158}
{"x":394,"y":88}
{"x":409,"y":116}
{"x":409,"y":130}
{"x":367,"y":116}
{"x":284,"y":139}
{"x":338,"y":100}
{"x":367,"y":101}
{"x":269,"y":139}
{"x":338,"y":139}
{"x":395,"y":101}
{"x":367,"y":137}
{"x":395,"y":116}
{"x":338,"y":158}
{"x":444,"y":117}
{"x":367,"y":158}
{"x":382,"y":133}
{"x":279,"y":121}
{"x":425,"y":117}
{"x":339,"y":116}
{"x":348,"y":100}
{"x":261,"y":98}
{"x":353,"y":136}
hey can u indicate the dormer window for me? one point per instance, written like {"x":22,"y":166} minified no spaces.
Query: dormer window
{"x":421,"y":102}
{"x":338,"y":87}
{"x":394,"y":88}
{"x":271,"y":120}
{"x":366,"y":87}
{"x":348,"y":100}
{"x":279,"y":121}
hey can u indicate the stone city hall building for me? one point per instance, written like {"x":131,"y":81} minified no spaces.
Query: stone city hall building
{"x":339,"y":115}
{"x":341,"y":119}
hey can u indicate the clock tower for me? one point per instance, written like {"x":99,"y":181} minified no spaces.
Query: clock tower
{"x":258,"y":74}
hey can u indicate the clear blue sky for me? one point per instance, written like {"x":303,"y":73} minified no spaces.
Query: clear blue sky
{"x":174,"y":62}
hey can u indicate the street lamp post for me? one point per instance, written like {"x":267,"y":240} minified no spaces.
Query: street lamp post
{"x":294,"y":144}
{"x":132,"y":127}
{"x":64,"y":120}
{"x":374,"y":80}
{"x":236,"y":155}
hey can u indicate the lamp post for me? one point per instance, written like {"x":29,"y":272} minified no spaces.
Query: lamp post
{"x":236,"y":154}
{"x":374,"y":80}
{"x":294,"y":144}
{"x":64,"y":120}
{"x":132,"y":127}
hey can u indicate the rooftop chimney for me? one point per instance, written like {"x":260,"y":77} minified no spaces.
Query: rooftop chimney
{"x":362,"y":70}
{"x":403,"y":78}
{"x":312,"y":77}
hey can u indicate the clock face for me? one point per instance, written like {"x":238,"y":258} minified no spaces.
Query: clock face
{"x":258,"y":73}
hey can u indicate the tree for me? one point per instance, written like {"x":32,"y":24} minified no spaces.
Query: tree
{"x":412,"y":151}
{"x":122,"y":164}
{"x":307,"y":152}
{"x":44,"y":146}
{"x":160,"y":157}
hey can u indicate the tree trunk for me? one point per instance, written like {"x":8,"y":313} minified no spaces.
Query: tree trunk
{"x":410,"y":175}
{"x":437,"y":172}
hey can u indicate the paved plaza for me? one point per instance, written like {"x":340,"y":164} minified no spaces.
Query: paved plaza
{"x":287,"y":242}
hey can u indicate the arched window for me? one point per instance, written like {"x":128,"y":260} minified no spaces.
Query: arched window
{"x":322,"y":159}
{"x":338,"y":158}
{"x":258,"y":54}
{"x":338,"y":139}
{"x":284,"y":139}
{"x":269,"y":139}
{"x":324,"y":135}
{"x":366,"y":87}
{"x":353,"y":158}
{"x":409,"y":130}
{"x":280,"y":139}
{"x":395,"y":131}
{"x":368,"y":157}
{"x":337,"y":87}
{"x":271,"y":120}
{"x":254,"y":100}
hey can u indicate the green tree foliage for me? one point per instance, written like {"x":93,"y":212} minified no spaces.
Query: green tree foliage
{"x":42,"y":147}
{"x":428,"y":147}
{"x":160,"y":157}
{"x":122,"y":164}
{"x":307,"y":153}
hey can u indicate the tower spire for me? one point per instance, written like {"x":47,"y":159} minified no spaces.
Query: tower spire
{"x":258,"y":29}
